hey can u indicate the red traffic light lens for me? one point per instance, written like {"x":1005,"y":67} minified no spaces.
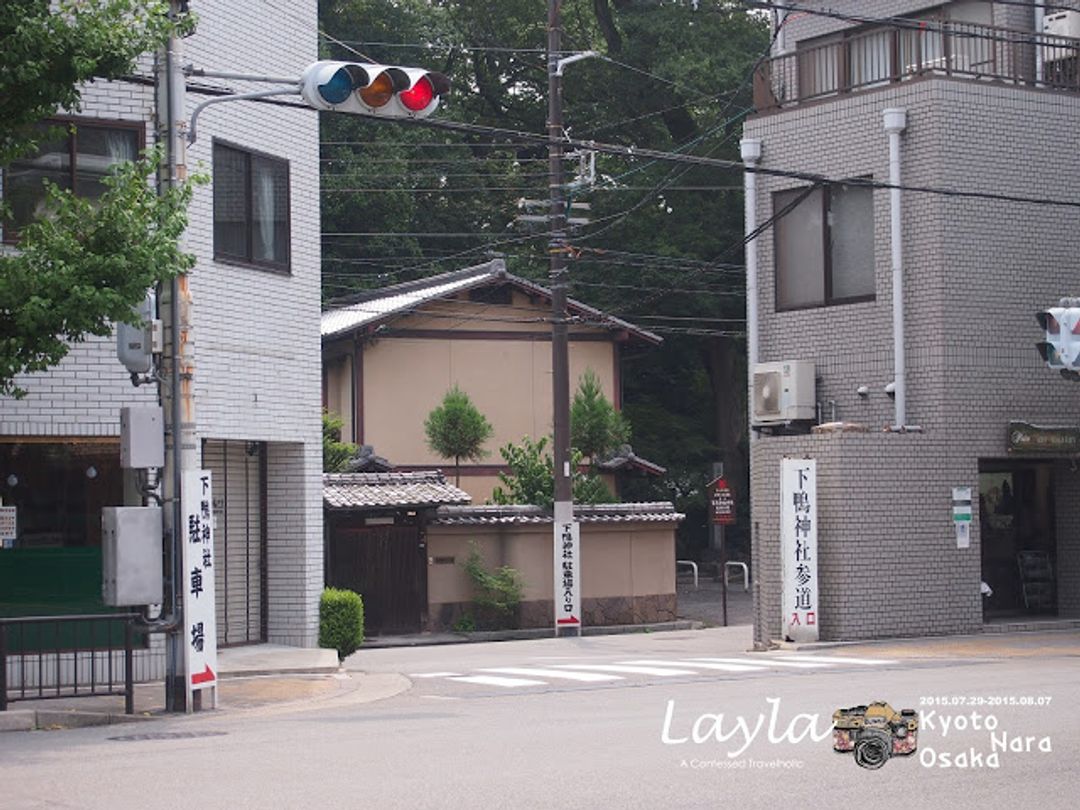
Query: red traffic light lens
{"x":379,"y":92}
{"x":419,"y":96}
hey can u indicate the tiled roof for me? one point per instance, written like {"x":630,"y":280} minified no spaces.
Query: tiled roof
{"x":657,"y":512}
{"x":625,"y":458}
{"x":389,"y":490}
{"x":377,"y":305}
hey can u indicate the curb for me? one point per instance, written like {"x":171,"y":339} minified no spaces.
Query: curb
{"x":47,"y":719}
{"x":481,"y":636}
{"x":255,"y":672}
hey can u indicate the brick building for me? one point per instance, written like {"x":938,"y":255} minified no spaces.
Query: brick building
{"x":989,"y":104}
{"x":255,"y":233}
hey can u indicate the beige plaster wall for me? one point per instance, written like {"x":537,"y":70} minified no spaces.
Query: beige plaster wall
{"x":339,"y":397}
{"x":622,"y":560}
{"x":509,"y":380}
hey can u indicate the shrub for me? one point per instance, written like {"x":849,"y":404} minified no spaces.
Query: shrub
{"x":496,"y":594}
{"x":341,"y":621}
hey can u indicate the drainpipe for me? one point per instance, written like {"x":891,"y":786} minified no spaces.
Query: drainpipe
{"x":751,"y":153}
{"x":1040,"y":13}
{"x":895,"y":123}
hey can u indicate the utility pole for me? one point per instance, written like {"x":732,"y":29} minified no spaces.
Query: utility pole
{"x":176,"y":382}
{"x":560,"y":359}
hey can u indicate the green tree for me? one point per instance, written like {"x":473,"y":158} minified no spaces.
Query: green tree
{"x":85,"y":265}
{"x":336,"y":454}
{"x":596,"y":428}
{"x":50,"y":52}
{"x":532,"y":478}
{"x":665,"y":245}
{"x":456,"y":429}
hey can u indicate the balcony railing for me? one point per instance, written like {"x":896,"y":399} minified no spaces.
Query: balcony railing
{"x":886,"y":55}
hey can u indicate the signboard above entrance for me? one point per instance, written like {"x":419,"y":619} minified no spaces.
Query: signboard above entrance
{"x":1045,"y":441}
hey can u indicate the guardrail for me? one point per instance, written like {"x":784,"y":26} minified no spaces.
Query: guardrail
{"x":50,"y":657}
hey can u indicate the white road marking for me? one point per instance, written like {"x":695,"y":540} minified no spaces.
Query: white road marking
{"x":433,"y":674}
{"x":702,"y":665}
{"x":629,"y":670}
{"x":769,"y":662}
{"x":539,"y":672}
{"x":837,"y":659}
{"x":494,"y":680}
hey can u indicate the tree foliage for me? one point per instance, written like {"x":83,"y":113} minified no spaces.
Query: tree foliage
{"x":336,"y":453}
{"x":49,"y":53}
{"x":532,"y":477}
{"x":456,"y":429}
{"x":664,"y":247}
{"x":596,"y":428}
{"x":87,"y":264}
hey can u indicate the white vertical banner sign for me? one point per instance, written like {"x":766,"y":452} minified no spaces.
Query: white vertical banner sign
{"x":798,"y":548}
{"x":200,"y":623}
{"x":567,"y":580}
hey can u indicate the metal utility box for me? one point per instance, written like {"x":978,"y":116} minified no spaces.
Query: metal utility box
{"x":131,"y":549}
{"x":142,"y":437}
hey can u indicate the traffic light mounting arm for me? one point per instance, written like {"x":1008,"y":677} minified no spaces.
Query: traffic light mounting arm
{"x":278,"y":91}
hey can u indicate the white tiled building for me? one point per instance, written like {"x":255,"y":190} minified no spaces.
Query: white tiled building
{"x":255,"y":233}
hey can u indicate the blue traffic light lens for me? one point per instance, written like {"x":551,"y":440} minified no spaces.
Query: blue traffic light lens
{"x":337,"y":89}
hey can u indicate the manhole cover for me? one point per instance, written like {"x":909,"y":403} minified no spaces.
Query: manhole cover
{"x":169,"y":735}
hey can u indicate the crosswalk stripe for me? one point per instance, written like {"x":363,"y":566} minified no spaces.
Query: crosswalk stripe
{"x":537,"y":672}
{"x":433,"y":674}
{"x":769,"y":662}
{"x":837,"y":659}
{"x":702,"y":665}
{"x":629,"y":670}
{"x":495,"y":680}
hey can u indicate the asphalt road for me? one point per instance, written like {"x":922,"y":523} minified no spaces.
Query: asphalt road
{"x":466,"y":736}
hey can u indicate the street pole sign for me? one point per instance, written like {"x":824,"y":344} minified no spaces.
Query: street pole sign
{"x":567,"y":580}
{"x":798,"y":548}
{"x":8,"y":526}
{"x":200,"y":623}
{"x":721,"y":502}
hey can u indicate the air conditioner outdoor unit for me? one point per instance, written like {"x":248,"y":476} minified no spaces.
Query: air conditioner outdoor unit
{"x":784,"y":392}
{"x":1062,"y":24}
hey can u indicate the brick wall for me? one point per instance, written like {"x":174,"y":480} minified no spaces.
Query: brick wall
{"x":975,"y":272}
{"x":257,"y":344}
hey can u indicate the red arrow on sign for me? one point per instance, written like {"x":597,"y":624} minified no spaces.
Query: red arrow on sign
{"x":571,"y":620}
{"x":206,"y":676}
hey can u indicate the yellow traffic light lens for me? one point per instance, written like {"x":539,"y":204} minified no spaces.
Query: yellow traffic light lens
{"x":379,"y":92}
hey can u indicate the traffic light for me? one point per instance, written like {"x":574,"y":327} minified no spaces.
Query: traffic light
{"x":1061,"y":347}
{"x":362,"y":88}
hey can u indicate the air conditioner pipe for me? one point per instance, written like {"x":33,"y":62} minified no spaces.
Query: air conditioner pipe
{"x":750,"y":149}
{"x":895,"y":123}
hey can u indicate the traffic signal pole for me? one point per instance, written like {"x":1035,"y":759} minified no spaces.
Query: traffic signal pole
{"x":176,"y":387}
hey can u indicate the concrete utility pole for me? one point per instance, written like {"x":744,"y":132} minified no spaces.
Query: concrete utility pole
{"x":560,"y":359}
{"x":176,"y":386}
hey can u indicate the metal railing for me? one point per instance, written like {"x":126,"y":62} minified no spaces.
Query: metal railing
{"x":49,"y":657}
{"x":886,"y":55}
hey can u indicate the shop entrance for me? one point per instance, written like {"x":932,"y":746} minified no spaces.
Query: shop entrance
{"x":1016,"y":515}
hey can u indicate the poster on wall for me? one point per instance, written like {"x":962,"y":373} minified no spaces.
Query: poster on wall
{"x":200,"y":622}
{"x":798,"y":549}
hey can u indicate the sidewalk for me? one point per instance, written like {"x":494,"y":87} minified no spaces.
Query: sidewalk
{"x":256,"y":677}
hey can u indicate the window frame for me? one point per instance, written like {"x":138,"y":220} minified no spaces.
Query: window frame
{"x":248,"y":261}
{"x":10,"y":231}
{"x":826,"y":247}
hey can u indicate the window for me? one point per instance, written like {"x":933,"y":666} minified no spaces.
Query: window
{"x":76,"y":160}
{"x":251,"y":208}
{"x":824,"y":246}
